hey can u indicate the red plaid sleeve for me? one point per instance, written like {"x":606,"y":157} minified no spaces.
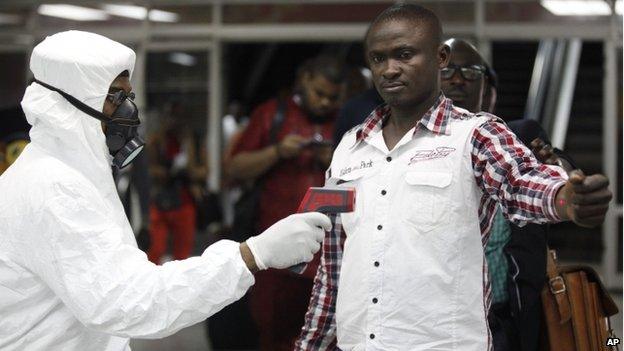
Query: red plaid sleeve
{"x":507,"y":172}
{"x":319,"y":330}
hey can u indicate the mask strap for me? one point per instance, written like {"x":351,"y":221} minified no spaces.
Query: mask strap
{"x":77,"y":103}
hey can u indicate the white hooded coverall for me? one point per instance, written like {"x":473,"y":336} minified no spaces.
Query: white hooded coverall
{"x":71,"y":276}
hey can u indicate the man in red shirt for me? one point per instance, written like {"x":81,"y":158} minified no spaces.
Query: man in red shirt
{"x":287,"y":164}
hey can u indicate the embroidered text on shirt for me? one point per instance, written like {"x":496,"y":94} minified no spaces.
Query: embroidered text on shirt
{"x":362,"y":165}
{"x":424,"y":155}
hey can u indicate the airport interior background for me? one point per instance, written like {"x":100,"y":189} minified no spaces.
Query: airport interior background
{"x":558,"y":62}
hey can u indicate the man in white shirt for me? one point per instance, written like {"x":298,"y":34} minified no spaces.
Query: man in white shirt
{"x":406,"y":270}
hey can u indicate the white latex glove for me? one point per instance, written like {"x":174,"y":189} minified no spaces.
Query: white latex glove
{"x":292,"y":240}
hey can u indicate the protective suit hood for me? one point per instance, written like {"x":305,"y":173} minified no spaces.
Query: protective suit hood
{"x":83,"y":65}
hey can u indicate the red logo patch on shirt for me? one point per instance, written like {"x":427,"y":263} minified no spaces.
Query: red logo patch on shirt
{"x":426,"y":155}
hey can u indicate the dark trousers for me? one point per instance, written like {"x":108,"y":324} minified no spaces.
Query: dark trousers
{"x":502,"y":326}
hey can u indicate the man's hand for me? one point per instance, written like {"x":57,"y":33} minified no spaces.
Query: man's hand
{"x":584,"y":199}
{"x":291,"y":146}
{"x":292,"y":240}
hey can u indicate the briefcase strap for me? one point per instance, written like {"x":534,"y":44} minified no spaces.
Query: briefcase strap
{"x":557,"y":286}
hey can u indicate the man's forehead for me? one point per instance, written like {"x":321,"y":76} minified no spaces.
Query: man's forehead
{"x":396,"y":33}
{"x":461,"y":55}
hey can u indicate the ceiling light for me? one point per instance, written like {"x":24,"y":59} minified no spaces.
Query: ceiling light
{"x":129,"y":11}
{"x":182,"y":59}
{"x":163,"y":16}
{"x":577,"y":7}
{"x":72,"y":12}
{"x":139,"y":13}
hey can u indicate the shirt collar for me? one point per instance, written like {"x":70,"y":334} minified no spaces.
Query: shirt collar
{"x":436,"y":119}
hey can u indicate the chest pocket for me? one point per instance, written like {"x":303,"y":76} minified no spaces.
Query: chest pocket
{"x":354,"y":180}
{"x":427,"y":199}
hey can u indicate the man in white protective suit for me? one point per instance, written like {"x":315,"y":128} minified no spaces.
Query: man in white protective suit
{"x":71,"y":275}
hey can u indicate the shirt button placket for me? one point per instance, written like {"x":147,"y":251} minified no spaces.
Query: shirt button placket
{"x":380,"y":217}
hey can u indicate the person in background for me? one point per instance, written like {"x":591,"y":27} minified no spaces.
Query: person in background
{"x":285,"y":166}
{"x":174,"y":168}
{"x":406,"y":270}
{"x":515,"y":255}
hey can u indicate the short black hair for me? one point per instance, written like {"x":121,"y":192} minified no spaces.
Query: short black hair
{"x":411,"y":12}
{"x":329,"y":67}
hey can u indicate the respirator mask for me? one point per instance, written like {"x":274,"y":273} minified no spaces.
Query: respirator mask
{"x":122,"y":137}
